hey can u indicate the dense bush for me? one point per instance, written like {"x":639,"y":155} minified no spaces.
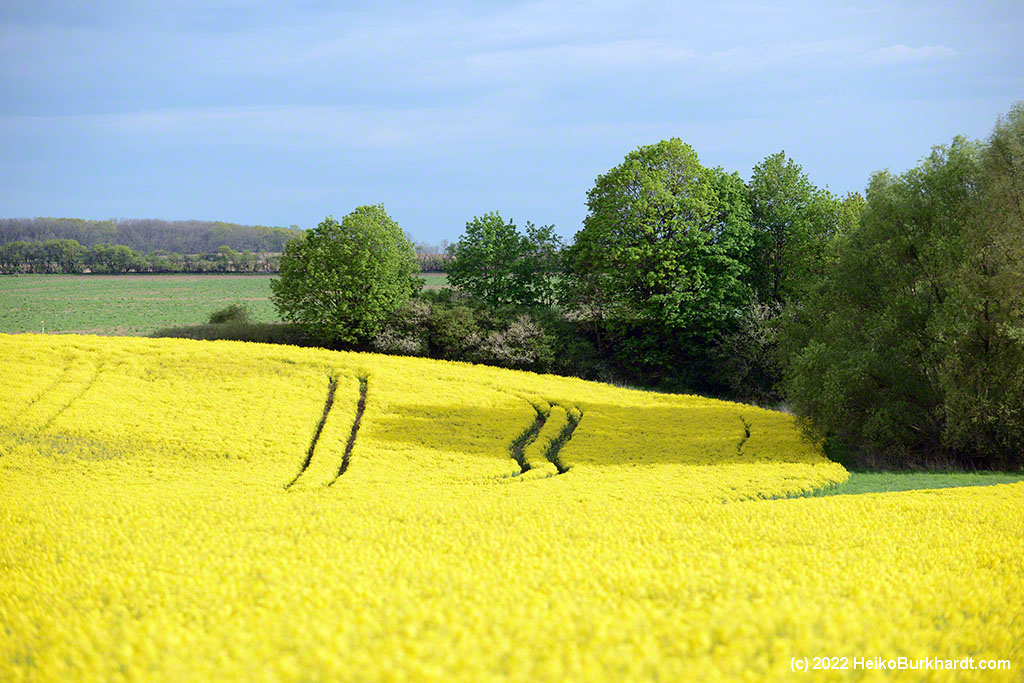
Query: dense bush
{"x":264,"y":333}
{"x":747,"y":363}
{"x":450,"y":325}
{"x":233,"y":313}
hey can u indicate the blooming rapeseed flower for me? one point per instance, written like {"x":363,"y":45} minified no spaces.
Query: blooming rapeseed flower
{"x":172,"y":509}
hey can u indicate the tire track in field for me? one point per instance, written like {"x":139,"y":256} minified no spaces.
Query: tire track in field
{"x":573,"y":417}
{"x":332,"y":386}
{"x":360,"y":409}
{"x":529,"y":435}
{"x":57,"y":381}
{"x":88,"y":385}
{"x":746,"y":435}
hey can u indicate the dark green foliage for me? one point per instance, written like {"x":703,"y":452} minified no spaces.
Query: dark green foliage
{"x":867,"y":373}
{"x":795,"y":224}
{"x":233,"y":313}
{"x":264,"y":333}
{"x":981,"y":321}
{"x":453,"y":326}
{"x":747,"y":366}
{"x":494,"y":262}
{"x":340,"y":280}
{"x":911,"y":349}
{"x":452,"y":331}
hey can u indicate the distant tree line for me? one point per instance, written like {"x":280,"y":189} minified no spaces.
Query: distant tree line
{"x":74,"y":245}
{"x":432,"y":258}
{"x":146,"y":235}
{"x":68,"y":256}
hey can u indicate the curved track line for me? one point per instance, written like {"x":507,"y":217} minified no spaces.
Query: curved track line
{"x":529,"y":435}
{"x":573,"y":418}
{"x":88,"y":385}
{"x":746,"y":435}
{"x":57,"y":381}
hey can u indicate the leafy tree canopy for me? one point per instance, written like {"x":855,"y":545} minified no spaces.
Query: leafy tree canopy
{"x":496,"y":263}
{"x":341,"y":280}
{"x":795,"y":225}
{"x":911,"y":348}
{"x":665,"y":241}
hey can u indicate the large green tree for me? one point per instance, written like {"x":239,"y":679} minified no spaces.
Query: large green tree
{"x":340,"y":280}
{"x":496,"y":263}
{"x":795,"y":224}
{"x":866,"y":369}
{"x":981,"y":321}
{"x":665,"y":242}
{"x":911,"y":349}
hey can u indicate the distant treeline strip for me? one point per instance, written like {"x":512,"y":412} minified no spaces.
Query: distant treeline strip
{"x":146,"y":235}
{"x":76,"y":245}
{"x":69,"y":257}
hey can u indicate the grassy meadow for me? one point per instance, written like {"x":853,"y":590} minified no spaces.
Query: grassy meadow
{"x":434,"y":280}
{"x":132,"y":304}
{"x":124,"y":304}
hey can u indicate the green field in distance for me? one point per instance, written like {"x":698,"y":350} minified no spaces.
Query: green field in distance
{"x":132,"y":304}
{"x":434,"y":280}
{"x":124,"y":304}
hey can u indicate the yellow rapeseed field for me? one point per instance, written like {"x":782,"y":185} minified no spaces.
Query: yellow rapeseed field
{"x":179,"y":510}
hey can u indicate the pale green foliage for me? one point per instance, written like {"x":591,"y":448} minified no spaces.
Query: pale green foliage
{"x":340,"y":280}
{"x":665,"y":242}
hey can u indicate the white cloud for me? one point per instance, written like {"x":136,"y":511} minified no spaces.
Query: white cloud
{"x":901,"y":54}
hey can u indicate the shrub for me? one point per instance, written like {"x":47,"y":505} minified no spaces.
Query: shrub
{"x":235,"y":313}
{"x":521,"y":344}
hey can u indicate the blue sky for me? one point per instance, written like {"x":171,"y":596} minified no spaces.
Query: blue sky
{"x":281,"y":113}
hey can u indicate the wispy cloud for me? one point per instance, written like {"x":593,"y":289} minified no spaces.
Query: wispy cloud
{"x":901,"y":54}
{"x":327,"y":128}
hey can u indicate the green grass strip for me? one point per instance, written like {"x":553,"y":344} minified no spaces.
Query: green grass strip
{"x":888,"y":482}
